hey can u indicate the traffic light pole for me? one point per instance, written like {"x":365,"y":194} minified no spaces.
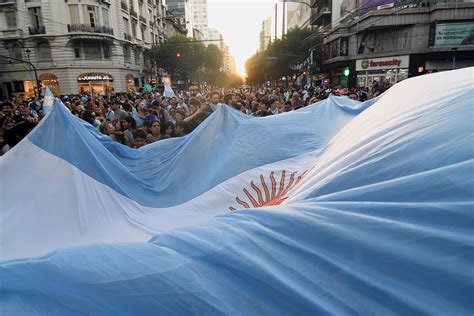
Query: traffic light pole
{"x":34,"y":69}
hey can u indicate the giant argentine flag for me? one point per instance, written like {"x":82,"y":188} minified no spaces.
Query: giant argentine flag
{"x":338,"y":208}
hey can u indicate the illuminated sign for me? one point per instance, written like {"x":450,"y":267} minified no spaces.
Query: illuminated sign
{"x":95,"y":77}
{"x":383,"y":63}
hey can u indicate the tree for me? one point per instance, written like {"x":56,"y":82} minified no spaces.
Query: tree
{"x":276,"y":60}
{"x":188,"y":58}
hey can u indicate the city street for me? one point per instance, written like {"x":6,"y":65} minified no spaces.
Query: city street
{"x":222,"y":157}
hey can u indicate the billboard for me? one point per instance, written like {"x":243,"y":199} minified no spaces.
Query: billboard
{"x":376,"y":3}
{"x":454,"y":34}
{"x":383,"y":41}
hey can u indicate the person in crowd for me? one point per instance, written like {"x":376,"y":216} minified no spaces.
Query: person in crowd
{"x":214,"y":99}
{"x":89,"y":117}
{"x":154,"y":132}
{"x":168,"y":130}
{"x":106,"y":128}
{"x":79,"y":109}
{"x":296,"y":100}
{"x":118,"y":137}
{"x":180,"y":128}
{"x":163,"y":115}
{"x":179,"y":115}
{"x":128,"y":125}
{"x":231,"y":100}
{"x":289,"y":106}
{"x":139,"y":138}
{"x":8,"y":113}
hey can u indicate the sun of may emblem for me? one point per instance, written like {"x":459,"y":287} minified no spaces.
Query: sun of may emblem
{"x":272,"y":194}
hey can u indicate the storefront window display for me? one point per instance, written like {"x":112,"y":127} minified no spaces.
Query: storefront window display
{"x":386,"y":69}
{"x":51,"y":81}
{"x":99,"y":83}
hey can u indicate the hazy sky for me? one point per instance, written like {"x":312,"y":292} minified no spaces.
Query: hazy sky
{"x":240,"y":22}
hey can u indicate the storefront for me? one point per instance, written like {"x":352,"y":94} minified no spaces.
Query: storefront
{"x":130,"y":83}
{"x":51,"y":81}
{"x":100,"y":83}
{"x":392,"y":69}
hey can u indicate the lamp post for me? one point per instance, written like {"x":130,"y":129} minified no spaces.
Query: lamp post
{"x":28,"y":51}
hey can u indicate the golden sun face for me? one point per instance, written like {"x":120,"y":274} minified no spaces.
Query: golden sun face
{"x":266,"y":195}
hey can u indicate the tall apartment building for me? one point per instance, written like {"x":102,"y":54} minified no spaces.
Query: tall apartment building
{"x":298,"y":14}
{"x":215,"y":37}
{"x":228,"y":61}
{"x":199,"y":8}
{"x":183,"y":9}
{"x":265,"y":33}
{"x":78,"y":45}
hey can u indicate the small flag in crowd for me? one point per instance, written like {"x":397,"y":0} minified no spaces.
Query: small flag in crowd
{"x":48,"y":101}
{"x":169,"y":93}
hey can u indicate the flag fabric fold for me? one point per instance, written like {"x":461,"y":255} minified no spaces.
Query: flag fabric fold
{"x":365,"y":212}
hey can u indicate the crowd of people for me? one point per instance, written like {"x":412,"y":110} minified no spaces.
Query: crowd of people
{"x":140,"y":118}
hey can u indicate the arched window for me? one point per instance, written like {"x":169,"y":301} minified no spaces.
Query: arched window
{"x":44,"y":51}
{"x":16,"y":51}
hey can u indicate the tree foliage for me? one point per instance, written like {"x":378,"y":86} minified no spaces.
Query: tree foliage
{"x":275,"y":61}
{"x":184,"y":57}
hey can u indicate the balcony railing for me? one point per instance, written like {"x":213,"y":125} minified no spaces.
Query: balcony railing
{"x":89,"y":29}
{"x":124,"y":5}
{"x":37,"y":30}
{"x":142,"y":19}
{"x":128,"y":37}
{"x":134,"y":13}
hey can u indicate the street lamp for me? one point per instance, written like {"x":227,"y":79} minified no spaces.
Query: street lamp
{"x":28,"y":51}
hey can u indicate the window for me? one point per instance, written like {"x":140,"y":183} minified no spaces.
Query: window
{"x":105,"y":16}
{"x":137,"y":56}
{"x":77,"y":52}
{"x":134,"y":29}
{"x":44,"y":51}
{"x":126,"y":26}
{"x":91,"y":51}
{"x":143,"y":33}
{"x":126,"y":54}
{"x":106,"y":49}
{"x":35,"y":17}
{"x":74,"y":12}
{"x":91,"y":14}
{"x":16,"y":51}
{"x":11,"y":19}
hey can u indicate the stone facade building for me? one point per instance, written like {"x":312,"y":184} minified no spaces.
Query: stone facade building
{"x":79,"y":45}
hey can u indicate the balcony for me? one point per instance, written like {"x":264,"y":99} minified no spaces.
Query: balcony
{"x":124,"y":6}
{"x":134,"y":13}
{"x":142,"y":19}
{"x":37,"y":30}
{"x":89,"y":29}
{"x":7,"y":2}
{"x":128,"y":37}
{"x":321,"y":16}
